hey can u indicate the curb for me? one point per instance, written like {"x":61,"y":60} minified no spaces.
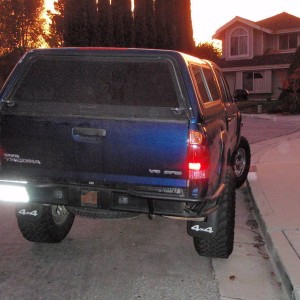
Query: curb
{"x":272,"y":243}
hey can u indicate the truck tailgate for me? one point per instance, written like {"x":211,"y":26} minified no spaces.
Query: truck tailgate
{"x":84,"y":150}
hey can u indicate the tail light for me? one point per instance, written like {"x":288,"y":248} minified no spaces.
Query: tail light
{"x":198,"y":156}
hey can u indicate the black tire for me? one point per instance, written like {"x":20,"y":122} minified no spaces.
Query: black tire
{"x":221,"y":244}
{"x":44,"y":223}
{"x":241,"y":160}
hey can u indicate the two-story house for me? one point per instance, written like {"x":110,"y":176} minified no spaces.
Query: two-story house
{"x":257,"y":55}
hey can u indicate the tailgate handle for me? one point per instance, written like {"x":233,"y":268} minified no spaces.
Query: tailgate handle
{"x":88,"y":135}
{"x":177,"y":110}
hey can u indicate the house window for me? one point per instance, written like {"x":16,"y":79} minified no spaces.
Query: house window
{"x":254,"y":81}
{"x":239,"y":42}
{"x":288,"y":41}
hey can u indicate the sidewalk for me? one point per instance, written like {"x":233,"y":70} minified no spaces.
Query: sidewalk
{"x":274,"y":180}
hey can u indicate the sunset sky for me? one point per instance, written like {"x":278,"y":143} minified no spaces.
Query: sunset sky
{"x":211,"y":15}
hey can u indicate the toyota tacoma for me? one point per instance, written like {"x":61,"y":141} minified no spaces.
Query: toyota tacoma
{"x":114,"y":133}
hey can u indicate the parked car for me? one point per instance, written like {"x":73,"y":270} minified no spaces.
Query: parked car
{"x":113,"y":133}
{"x":241,"y":94}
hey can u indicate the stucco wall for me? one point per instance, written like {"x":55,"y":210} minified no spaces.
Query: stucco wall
{"x":276,"y":82}
{"x":228,"y":33}
{"x":258,"y":42}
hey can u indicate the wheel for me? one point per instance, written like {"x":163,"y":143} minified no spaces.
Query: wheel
{"x":44,"y":223}
{"x":221,"y":244}
{"x":241,"y":162}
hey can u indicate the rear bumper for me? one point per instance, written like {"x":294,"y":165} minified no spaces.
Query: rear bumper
{"x":119,"y":199}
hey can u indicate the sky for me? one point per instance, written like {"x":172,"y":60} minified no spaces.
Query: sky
{"x":209,"y":15}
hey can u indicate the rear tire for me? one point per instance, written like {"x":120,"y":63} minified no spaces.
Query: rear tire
{"x":241,"y":162}
{"x":221,"y":244}
{"x":44,"y":223}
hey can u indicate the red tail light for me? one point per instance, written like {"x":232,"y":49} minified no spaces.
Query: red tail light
{"x":198,"y":156}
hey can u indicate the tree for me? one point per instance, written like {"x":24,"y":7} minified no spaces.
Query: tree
{"x":21,"y":24}
{"x":123,"y":23}
{"x":104,"y":29}
{"x":118,"y":30}
{"x":207,"y":51}
{"x":140,"y":23}
{"x":185,"y":41}
{"x":55,"y":37}
{"x":174,"y":25}
{"x":128,"y":24}
{"x":150,"y":24}
{"x":161,"y":24}
{"x":80,"y":22}
{"x":145,"y":27}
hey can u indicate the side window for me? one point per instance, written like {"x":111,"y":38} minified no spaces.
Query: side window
{"x":211,"y":82}
{"x":206,"y":83}
{"x":223,"y":86}
{"x":200,"y":83}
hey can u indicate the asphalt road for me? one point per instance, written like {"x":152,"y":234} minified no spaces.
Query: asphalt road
{"x":109,"y":259}
{"x":134,"y":259}
{"x":264,"y":127}
{"x":138,"y":258}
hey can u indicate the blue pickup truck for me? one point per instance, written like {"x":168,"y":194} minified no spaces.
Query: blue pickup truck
{"x":114,"y":133}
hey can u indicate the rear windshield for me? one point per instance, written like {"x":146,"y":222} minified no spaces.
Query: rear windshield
{"x":103,"y":81}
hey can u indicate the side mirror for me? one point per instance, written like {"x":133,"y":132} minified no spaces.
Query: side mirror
{"x":240,"y":94}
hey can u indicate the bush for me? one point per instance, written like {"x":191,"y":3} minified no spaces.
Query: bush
{"x":290,"y":95}
{"x":290,"y":102}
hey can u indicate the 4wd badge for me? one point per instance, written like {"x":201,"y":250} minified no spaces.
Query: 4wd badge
{"x":198,"y":228}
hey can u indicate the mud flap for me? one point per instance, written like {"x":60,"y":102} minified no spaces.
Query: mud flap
{"x":204,"y":229}
{"x":30,"y":212}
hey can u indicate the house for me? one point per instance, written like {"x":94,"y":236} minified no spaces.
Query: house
{"x":257,"y":55}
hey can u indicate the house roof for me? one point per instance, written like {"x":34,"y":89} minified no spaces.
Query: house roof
{"x":280,"y":22}
{"x":236,"y":19}
{"x":260,"y":60}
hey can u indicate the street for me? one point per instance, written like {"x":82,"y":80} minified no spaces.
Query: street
{"x":139,"y":258}
{"x":134,"y":259}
